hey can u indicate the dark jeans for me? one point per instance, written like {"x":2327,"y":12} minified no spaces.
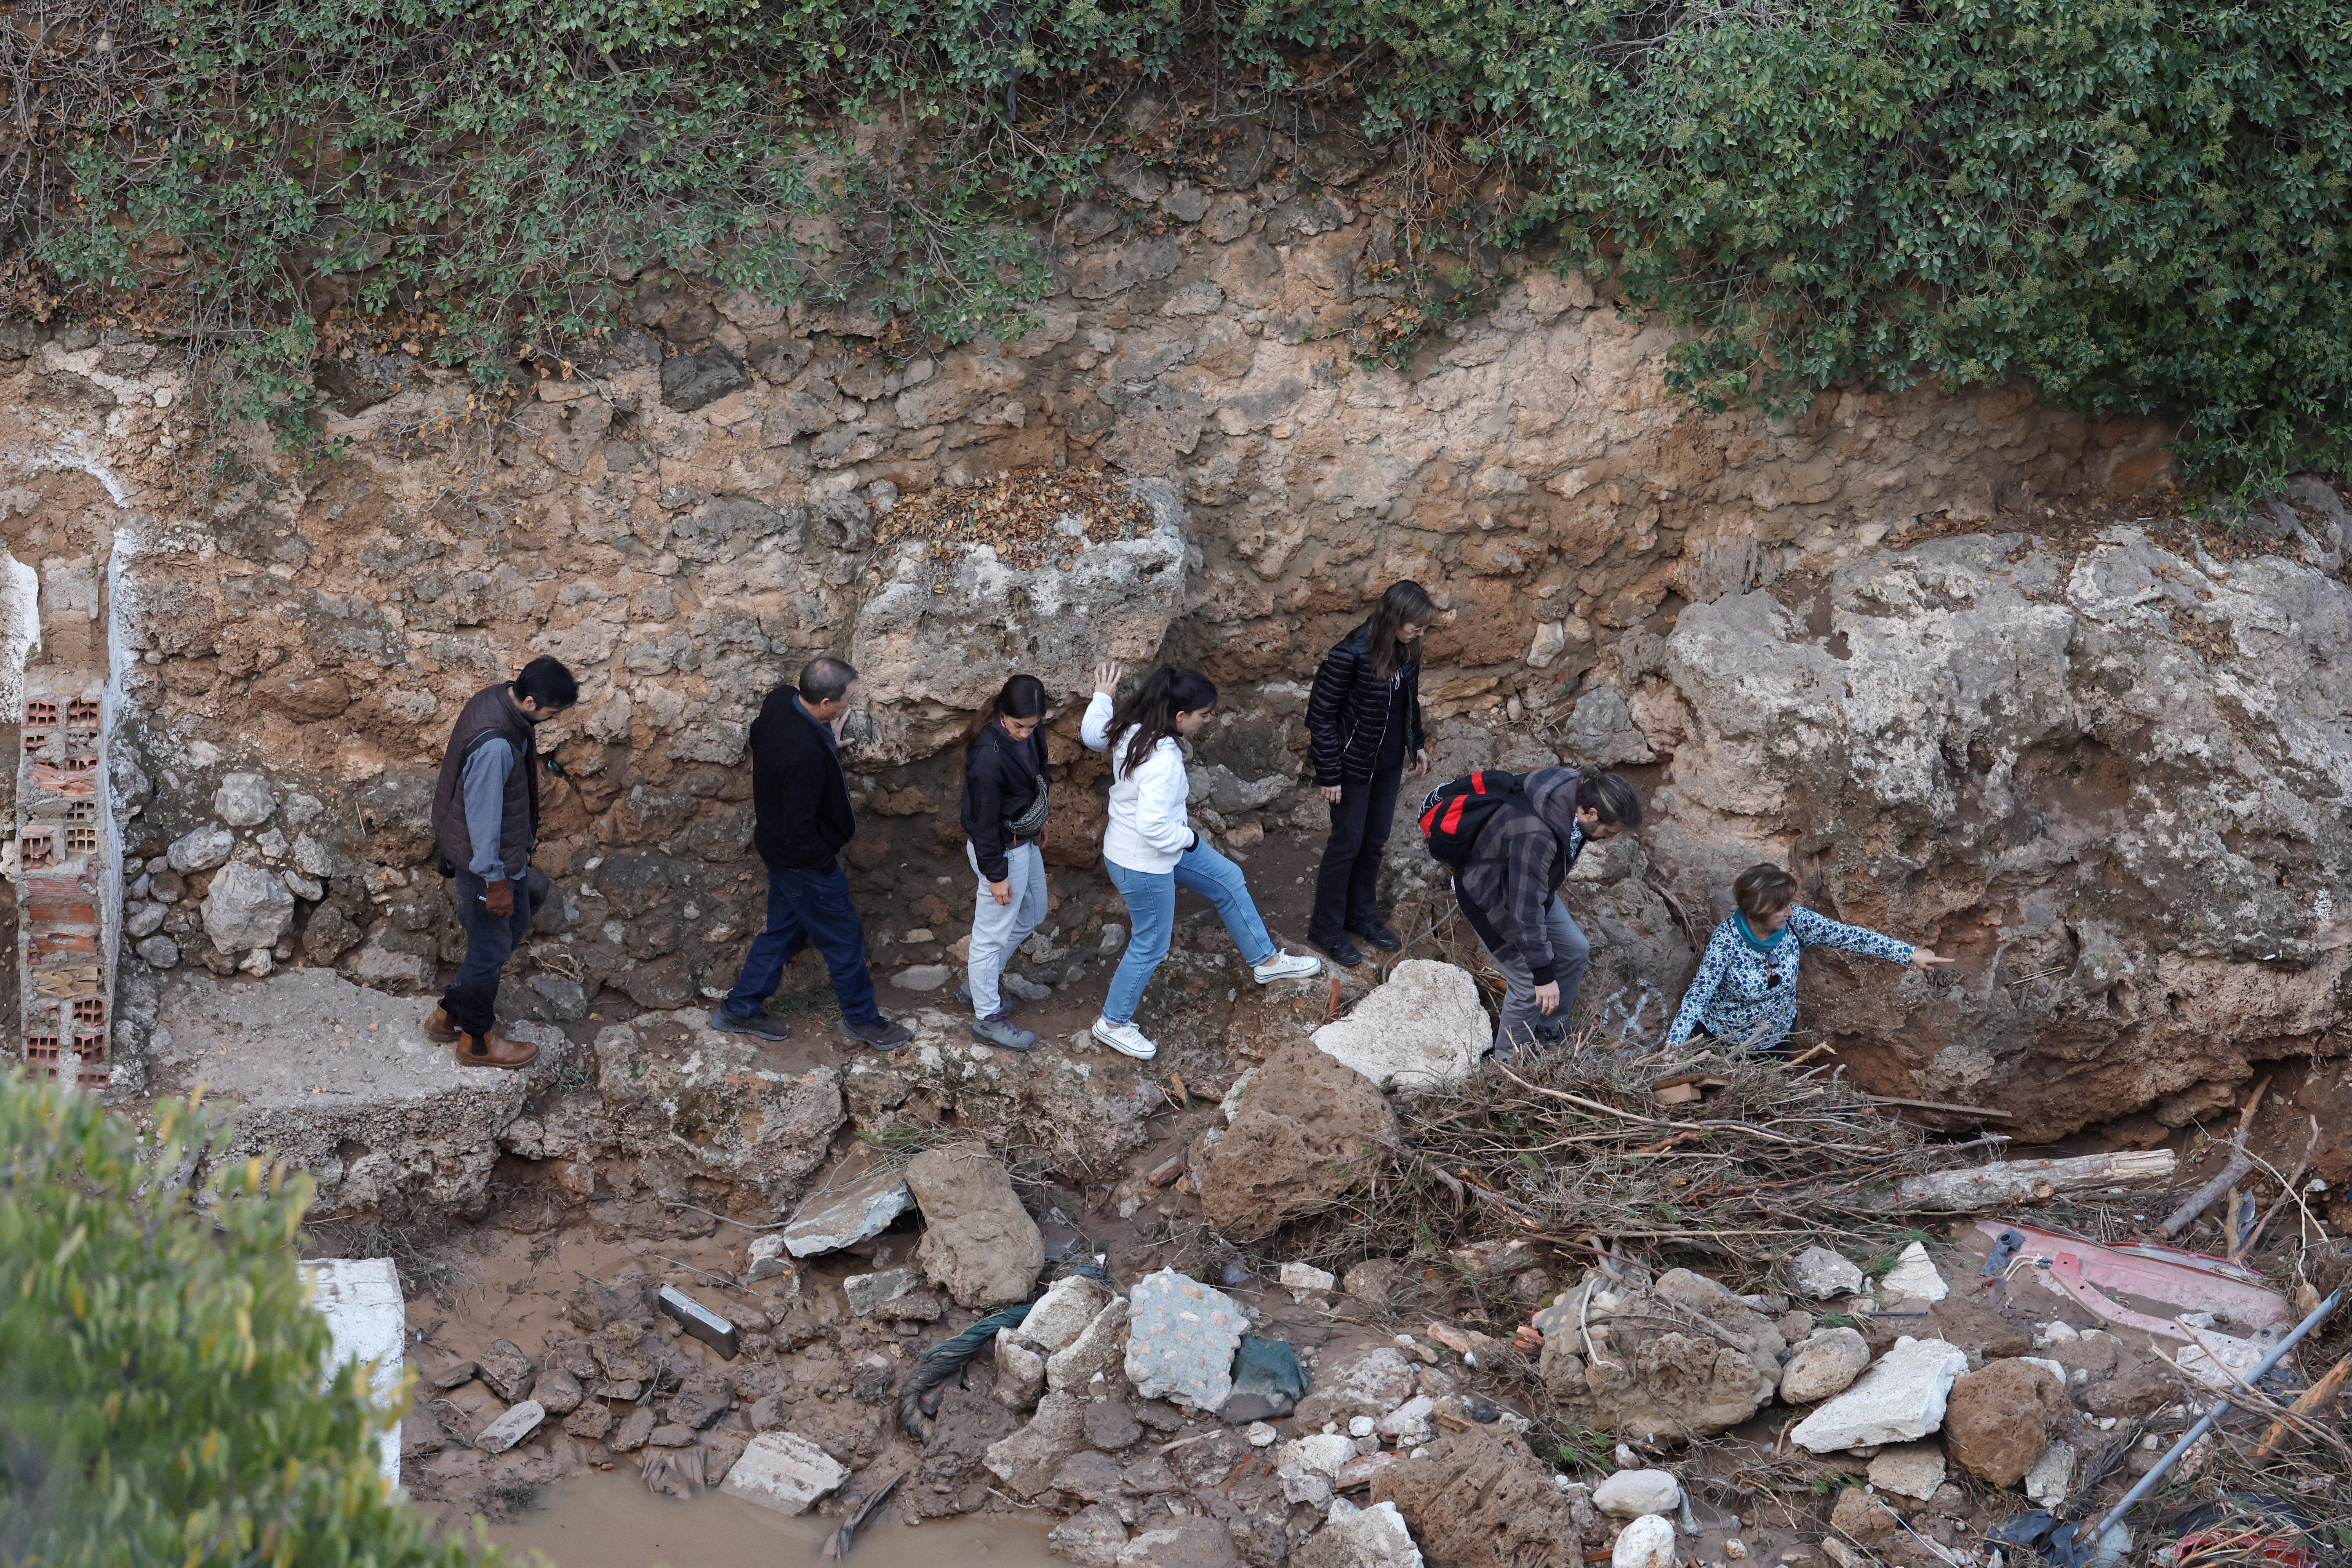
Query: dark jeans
{"x":472,"y":998}
{"x":805,"y":908}
{"x":1347,"y":889}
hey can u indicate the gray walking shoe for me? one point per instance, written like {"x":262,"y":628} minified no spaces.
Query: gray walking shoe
{"x":727,"y":1021}
{"x":1000,"y":1030}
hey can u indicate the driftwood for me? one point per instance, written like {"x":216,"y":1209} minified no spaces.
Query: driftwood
{"x":2026,"y":1181}
{"x":2203,"y":1197}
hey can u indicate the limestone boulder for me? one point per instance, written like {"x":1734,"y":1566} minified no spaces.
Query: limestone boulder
{"x":979,"y":1244}
{"x":1421,"y":1027}
{"x":244,"y":800}
{"x":1482,"y":1499}
{"x":1028,"y":1460}
{"x":1638,"y":1367}
{"x":1309,"y":1129}
{"x":1825,"y":1364}
{"x":938,"y":637}
{"x":247,"y":907}
{"x":2096,"y":753}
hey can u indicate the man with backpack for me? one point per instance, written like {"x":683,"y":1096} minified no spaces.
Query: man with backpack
{"x":1511,"y":841}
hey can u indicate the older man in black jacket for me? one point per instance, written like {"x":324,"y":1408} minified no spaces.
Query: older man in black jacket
{"x":800,"y":805}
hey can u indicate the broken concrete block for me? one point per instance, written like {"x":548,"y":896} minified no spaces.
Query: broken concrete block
{"x":510,"y":1428}
{"x":2051,"y":1477}
{"x":1323,"y":1452}
{"x":1094,"y":1353}
{"x":1372,"y":1383}
{"x":784,"y":1471}
{"x":367,"y":1322}
{"x":1911,"y":1469}
{"x":1375,"y":1537}
{"x":867,"y":1291}
{"x":1914,"y":1278}
{"x":979,"y":1242}
{"x":1020,"y":1370}
{"x":1900,"y":1400}
{"x":1825,"y":1365}
{"x":1028,"y":1460}
{"x":1630,"y":1494}
{"x":1302,"y":1484}
{"x":1063,"y":1312}
{"x":1181,"y":1337}
{"x":1421,"y":1027}
{"x":507,"y":1370}
{"x":1647,"y":1543}
{"x":1825,"y":1276}
{"x":1195,"y":1542}
{"x":858,"y":1200}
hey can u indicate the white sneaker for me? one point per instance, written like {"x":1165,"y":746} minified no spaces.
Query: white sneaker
{"x":1126,"y":1040}
{"x":1286,"y":966}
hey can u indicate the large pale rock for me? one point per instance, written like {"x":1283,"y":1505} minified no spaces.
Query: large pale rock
{"x":2051,"y":1477}
{"x":1197,"y":1542}
{"x":1754,"y":1332}
{"x":1092,"y":1538}
{"x":979,"y":1244}
{"x":1420,"y":1027}
{"x":247,"y":908}
{"x":1481,"y":1499}
{"x":1899,"y":1400}
{"x":243,"y":800}
{"x":1825,"y":1365}
{"x":1826,"y":1276}
{"x":2095,"y":751}
{"x":1027,"y":1460}
{"x":1374,"y":1537}
{"x":1911,"y":1469}
{"x":1914,"y":1278}
{"x":857,"y":1199}
{"x":1063,"y":1312}
{"x":1098,"y":1351}
{"x":201,"y":849}
{"x":1372,"y":1383}
{"x":1647,"y":1543}
{"x":1999,"y":1418}
{"x":784,"y":1471}
{"x":1639,"y":1365}
{"x":937,"y":636}
{"x":1309,"y":1129}
{"x":1181,"y":1336}
{"x":1630,"y":1494}
{"x":1020,"y":1370}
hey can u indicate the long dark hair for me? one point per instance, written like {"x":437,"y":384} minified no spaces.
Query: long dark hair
{"x":1404,"y":604}
{"x":1152,"y":708}
{"x":1020,"y":697}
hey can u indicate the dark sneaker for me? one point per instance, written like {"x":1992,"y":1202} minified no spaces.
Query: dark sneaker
{"x":1380,"y":936}
{"x":882,"y":1034}
{"x":1344,"y":953}
{"x":1001,"y":1030}
{"x":728,"y":1021}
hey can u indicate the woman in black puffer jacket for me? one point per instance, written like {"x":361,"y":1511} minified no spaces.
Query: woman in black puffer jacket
{"x":1364,"y":724}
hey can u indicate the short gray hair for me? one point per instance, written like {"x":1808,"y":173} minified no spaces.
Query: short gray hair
{"x":826,"y":679}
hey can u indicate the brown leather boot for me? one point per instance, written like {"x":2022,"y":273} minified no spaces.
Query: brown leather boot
{"x":439,"y":1028}
{"x":493,"y":1049}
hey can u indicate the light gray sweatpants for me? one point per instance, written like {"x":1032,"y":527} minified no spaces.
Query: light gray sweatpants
{"x":998,"y":929}
{"x":1521,"y":1020}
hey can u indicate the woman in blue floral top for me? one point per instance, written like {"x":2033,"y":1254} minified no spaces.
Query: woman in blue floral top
{"x":1745,"y":992}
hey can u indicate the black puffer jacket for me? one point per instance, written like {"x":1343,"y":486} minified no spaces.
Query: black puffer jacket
{"x":1002,"y":777}
{"x":1347,"y":714}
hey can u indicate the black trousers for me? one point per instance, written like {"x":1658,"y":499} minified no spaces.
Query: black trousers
{"x":1347,"y":889}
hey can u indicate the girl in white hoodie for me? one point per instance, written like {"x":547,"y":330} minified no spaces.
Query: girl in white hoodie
{"x":1151,"y":849}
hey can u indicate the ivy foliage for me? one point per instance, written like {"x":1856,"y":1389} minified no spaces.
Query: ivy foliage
{"x":161,"y":1390}
{"x":2133,"y":206}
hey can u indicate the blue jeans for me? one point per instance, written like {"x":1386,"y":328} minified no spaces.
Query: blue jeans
{"x":1151,"y":910}
{"x":805,"y":908}
{"x":472,"y":998}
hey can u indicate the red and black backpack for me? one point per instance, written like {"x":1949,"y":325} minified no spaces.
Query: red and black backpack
{"x":1454,"y":815}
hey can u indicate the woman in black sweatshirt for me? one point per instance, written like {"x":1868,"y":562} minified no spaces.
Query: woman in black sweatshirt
{"x":1364,"y":724}
{"x":1004,"y":832}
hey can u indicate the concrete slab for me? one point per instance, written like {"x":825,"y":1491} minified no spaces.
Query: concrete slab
{"x":784,"y":1471}
{"x":361,"y":1299}
{"x":342,"y":1082}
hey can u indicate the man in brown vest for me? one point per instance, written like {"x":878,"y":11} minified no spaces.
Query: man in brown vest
{"x":486,"y":818}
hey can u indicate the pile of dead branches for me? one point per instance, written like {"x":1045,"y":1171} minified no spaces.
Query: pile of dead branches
{"x":1572,"y":1147}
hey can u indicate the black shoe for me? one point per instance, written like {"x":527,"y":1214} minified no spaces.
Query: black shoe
{"x":882,"y":1034}
{"x":1380,"y":936}
{"x":726,"y":1020}
{"x":1342,"y":952}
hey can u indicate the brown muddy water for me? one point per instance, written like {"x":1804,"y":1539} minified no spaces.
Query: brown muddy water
{"x":610,"y":1520}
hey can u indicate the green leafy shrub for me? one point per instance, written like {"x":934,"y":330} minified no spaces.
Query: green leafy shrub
{"x":161,"y":1396}
{"x":2133,"y":206}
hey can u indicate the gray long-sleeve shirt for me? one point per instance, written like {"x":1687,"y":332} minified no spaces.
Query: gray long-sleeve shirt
{"x":483,"y":790}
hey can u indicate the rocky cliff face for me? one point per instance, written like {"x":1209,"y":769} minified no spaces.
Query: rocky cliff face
{"x":2102,"y":775}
